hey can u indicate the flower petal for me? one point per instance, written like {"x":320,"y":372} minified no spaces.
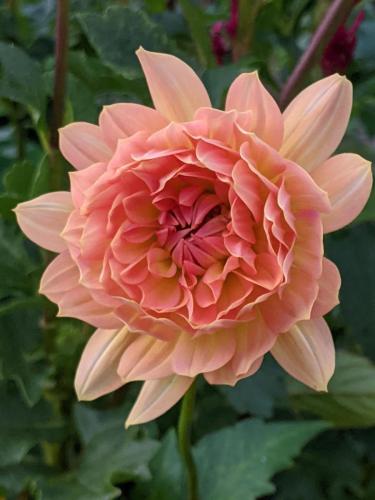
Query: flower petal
{"x":43,"y":218}
{"x":202,"y":354}
{"x":96,"y":373}
{"x":146,"y":358}
{"x":60,"y":284}
{"x":157,"y":397}
{"x":316,"y":120}
{"x":307,"y":353}
{"x":176,"y":90}
{"x":347,"y":178}
{"x":82,"y":144}
{"x":329,"y":286}
{"x":226,"y":375}
{"x":247,"y":93}
{"x":122,"y":120}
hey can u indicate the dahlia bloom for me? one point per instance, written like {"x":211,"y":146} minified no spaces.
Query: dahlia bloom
{"x":192,"y":238}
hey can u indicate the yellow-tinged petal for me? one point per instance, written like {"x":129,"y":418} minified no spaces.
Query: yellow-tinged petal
{"x":43,"y":219}
{"x":82,"y":144}
{"x":307,"y":353}
{"x":175,"y":88}
{"x":329,"y":286}
{"x":247,"y":93}
{"x":347,"y":178}
{"x":157,"y":397}
{"x":97,"y":370}
{"x":316,"y":120}
{"x":124,"y":119}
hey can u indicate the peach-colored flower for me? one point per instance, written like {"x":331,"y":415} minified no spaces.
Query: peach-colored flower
{"x":192,"y":238}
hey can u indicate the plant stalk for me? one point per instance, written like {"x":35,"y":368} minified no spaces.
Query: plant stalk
{"x":184,"y":441}
{"x":336,"y":15}
{"x":61,"y":66}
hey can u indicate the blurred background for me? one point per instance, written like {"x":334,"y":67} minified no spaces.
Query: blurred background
{"x":268,"y":437}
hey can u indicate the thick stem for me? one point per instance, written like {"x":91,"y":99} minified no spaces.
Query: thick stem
{"x":184,"y":433}
{"x":61,"y":53}
{"x":336,"y":14}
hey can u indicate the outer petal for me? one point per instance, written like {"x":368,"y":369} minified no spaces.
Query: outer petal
{"x":307,"y":353}
{"x":226,"y":374}
{"x":202,"y":354}
{"x":146,"y":358}
{"x":247,"y":93}
{"x":157,"y":397}
{"x":347,"y":178}
{"x":329,"y":286}
{"x":82,"y":144}
{"x":96,"y":374}
{"x":42,"y":219}
{"x":176,"y":90}
{"x":316,"y":120}
{"x":125,"y":119}
{"x":60,"y":283}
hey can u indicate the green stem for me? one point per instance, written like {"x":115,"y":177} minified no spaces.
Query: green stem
{"x":184,"y":434}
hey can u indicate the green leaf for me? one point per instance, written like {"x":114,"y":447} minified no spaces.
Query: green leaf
{"x":22,"y":427}
{"x":217,"y":81}
{"x":199,"y":29}
{"x":350,"y":401}
{"x":168,"y":479}
{"x":19,"y":339}
{"x":111,"y":456}
{"x":353,"y":252}
{"x":23,"y":181}
{"x":119,"y":33}
{"x":238,"y":462}
{"x":21,"y":78}
{"x":329,"y":468}
{"x":259,"y":393}
{"x":15,"y":265}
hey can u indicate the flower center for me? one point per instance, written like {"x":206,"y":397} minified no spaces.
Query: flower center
{"x":189,"y":231}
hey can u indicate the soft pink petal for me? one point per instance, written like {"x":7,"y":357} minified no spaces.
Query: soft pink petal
{"x":307,"y":353}
{"x":96,"y":373}
{"x":157,"y":397}
{"x":42,"y":219}
{"x":146,"y":358}
{"x":60,"y":284}
{"x":253,"y":341}
{"x":329,"y":286}
{"x":122,"y":120}
{"x":176,"y":90}
{"x":83,"y":144}
{"x":316,"y":120}
{"x":347,"y":178}
{"x":226,"y":375}
{"x":202,"y":354}
{"x":247,"y":93}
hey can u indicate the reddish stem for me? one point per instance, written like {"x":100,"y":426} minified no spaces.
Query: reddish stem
{"x":336,"y":14}
{"x":61,"y":53}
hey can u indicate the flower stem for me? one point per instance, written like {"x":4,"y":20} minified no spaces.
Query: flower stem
{"x":184,"y":433}
{"x":61,"y":56}
{"x":336,"y":14}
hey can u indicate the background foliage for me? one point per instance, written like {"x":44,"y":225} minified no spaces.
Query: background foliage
{"x":269,"y":437}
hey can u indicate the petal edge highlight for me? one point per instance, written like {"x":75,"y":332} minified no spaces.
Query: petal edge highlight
{"x":43,"y":219}
{"x":347,"y":179}
{"x":175,"y":88}
{"x":316,"y":120}
{"x":96,"y":373}
{"x":156,"y":397}
{"x":307,"y":353}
